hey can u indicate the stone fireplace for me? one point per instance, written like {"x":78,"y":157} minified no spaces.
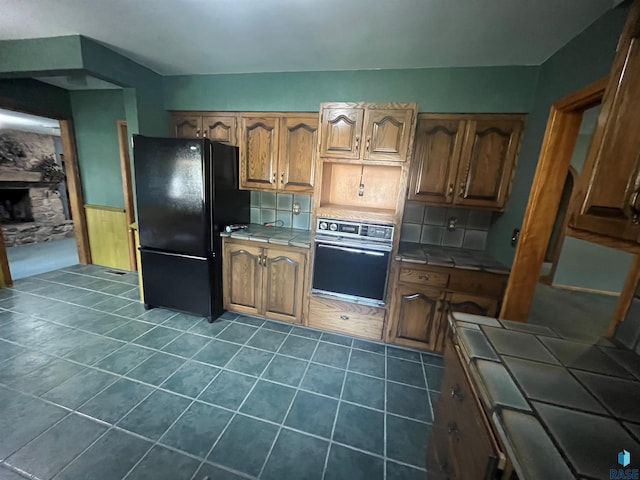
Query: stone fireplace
{"x":31,"y":208}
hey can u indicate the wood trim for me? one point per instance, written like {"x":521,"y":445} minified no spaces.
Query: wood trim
{"x":5,"y":272}
{"x":587,"y":290}
{"x":604,"y":240}
{"x":628,"y":291}
{"x":74,"y":185}
{"x":553,"y":164}
{"x":127,"y":188}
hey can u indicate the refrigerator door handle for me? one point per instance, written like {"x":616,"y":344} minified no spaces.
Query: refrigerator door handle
{"x":170,"y":254}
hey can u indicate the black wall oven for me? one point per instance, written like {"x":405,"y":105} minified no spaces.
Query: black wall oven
{"x":351,"y":260}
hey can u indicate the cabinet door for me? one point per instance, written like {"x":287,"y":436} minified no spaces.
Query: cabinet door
{"x":418,"y":316}
{"x":297,"y":159}
{"x":220,"y":128}
{"x":341,"y":132}
{"x":477,"y":305}
{"x":242,"y":278}
{"x":386,"y":134}
{"x":258,"y":152}
{"x":435,"y":160}
{"x":283,"y":285}
{"x":488,"y":159}
{"x":610,"y":177}
{"x":185,"y":125}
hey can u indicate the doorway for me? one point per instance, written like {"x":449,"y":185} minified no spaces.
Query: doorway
{"x":42,"y":226}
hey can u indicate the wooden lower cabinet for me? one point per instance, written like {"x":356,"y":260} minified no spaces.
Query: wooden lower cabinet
{"x":462,"y":444}
{"x":346,"y":317}
{"x":422,"y":296}
{"x":264,"y":281}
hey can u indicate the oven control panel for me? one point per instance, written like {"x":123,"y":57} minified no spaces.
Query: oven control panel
{"x":349,"y":229}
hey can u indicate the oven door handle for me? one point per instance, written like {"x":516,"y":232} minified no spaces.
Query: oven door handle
{"x":352,"y":250}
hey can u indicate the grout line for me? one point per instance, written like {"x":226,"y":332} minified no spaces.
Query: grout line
{"x":335,"y":419}
{"x":424,"y":373}
{"x":293,"y":399}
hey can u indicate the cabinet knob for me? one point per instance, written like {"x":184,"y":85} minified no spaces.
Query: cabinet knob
{"x":456,"y":393}
{"x":273,"y":177}
{"x":450,"y":191}
{"x":204,"y":133}
{"x":368,"y":143}
{"x":281,"y":177}
{"x":344,"y":317}
{"x":197,"y":132}
{"x":461,"y":189}
{"x":633,"y":200}
{"x":357,"y":142}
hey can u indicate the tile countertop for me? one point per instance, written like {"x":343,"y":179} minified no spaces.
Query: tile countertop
{"x":276,"y":235}
{"x":449,"y":257}
{"x":562,"y":408}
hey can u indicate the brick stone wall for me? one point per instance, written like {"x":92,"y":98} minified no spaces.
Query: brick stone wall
{"x":46,"y":205}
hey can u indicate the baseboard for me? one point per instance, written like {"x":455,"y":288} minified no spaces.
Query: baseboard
{"x":586,"y":290}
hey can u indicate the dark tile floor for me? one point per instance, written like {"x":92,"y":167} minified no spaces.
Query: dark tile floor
{"x":93,"y":386}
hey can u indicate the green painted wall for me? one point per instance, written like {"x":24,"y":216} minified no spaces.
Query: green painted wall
{"x":490,"y":89}
{"x":32,"y":96}
{"x":95,"y":113}
{"x":589,"y":265}
{"x":40,"y":54}
{"x":585,"y":59}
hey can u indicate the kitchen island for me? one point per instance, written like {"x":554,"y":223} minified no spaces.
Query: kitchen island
{"x":522,"y":398}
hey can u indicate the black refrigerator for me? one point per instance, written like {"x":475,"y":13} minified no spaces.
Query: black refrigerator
{"x":186,"y":192}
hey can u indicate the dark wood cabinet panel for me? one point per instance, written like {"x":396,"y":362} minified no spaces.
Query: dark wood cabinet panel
{"x":341,"y":132}
{"x":297,"y":156}
{"x":259,"y":139}
{"x":487,"y":161}
{"x":435,"y":159}
{"x":610,"y":179}
{"x":242,"y":278}
{"x":419,"y":313}
{"x":220,"y":128}
{"x":186,"y":125}
{"x":386,"y":134}
{"x":283,"y":285}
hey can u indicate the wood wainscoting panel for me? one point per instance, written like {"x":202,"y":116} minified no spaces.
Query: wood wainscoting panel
{"x":108,"y":236}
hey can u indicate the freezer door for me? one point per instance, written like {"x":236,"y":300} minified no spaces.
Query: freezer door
{"x":171,"y":194}
{"x":178,"y":282}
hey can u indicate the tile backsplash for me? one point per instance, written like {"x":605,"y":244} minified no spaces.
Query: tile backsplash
{"x":430,"y":225}
{"x":272,"y":206}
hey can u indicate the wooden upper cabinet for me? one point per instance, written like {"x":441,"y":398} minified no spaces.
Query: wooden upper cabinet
{"x":487,"y":161}
{"x":186,"y":125}
{"x":297,"y":156}
{"x":386,"y":134}
{"x":220,"y":128}
{"x":243,"y":278}
{"x":259,"y":138}
{"x":283,"y":285}
{"x":341,"y":132}
{"x":435,"y":159}
{"x":610,"y":179}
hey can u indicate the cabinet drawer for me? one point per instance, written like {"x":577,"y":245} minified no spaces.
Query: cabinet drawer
{"x":346,"y":317}
{"x":423,"y":277}
{"x":473,"y":449}
{"x":486,"y":284}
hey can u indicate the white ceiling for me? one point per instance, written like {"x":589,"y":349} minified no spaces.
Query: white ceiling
{"x":236,"y":36}
{"x":28,"y":123}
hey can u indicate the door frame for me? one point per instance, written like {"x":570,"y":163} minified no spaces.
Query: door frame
{"x":557,"y":148}
{"x":74,"y":186}
{"x":127,"y":190}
